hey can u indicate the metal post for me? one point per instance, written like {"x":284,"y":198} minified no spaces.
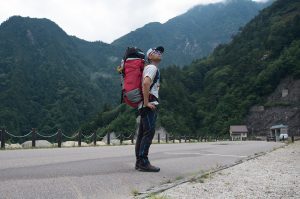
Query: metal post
{"x":79,"y":139}
{"x":185,"y":139}
{"x":95,"y":138}
{"x":59,"y":136}
{"x":167,"y":141}
{"x":121,"y":138}
{"x":174,"y":138}
{"x":158,"y":137}
{"x":132,"y":139}
{"x":108,"y":138}
{"x":2,"y":136}
{"x":33,"y":137}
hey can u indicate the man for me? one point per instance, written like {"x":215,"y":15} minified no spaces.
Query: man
{"x":148,"y":110}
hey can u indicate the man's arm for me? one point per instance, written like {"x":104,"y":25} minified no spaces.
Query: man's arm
{"x":146,"y":89}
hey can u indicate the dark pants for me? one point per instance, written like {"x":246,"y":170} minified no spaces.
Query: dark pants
{"x":145,"y":134}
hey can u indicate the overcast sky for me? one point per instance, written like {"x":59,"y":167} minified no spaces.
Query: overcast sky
{"x":104,"y":20}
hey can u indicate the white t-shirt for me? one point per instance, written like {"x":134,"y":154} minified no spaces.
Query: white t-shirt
{"x":150,"y":71}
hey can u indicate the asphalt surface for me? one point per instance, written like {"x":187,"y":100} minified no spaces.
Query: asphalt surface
{"x":108,"y":172}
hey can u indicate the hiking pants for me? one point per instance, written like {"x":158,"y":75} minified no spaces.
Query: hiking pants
{"x":145,"y":134}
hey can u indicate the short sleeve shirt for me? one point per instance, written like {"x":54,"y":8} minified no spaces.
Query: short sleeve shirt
{"x":151,"y":71}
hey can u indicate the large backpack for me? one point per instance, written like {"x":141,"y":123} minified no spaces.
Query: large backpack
{"x":132,"y":67}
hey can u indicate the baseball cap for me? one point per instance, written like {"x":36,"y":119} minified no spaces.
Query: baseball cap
{"x":157,"y":52}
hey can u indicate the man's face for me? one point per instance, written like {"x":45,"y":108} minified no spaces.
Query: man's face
{"x":155,"y":62}
{"x":155,"y":57}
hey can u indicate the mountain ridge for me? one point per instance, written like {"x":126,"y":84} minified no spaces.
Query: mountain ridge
{"x":48,"y":75}
{"x":50,"y":80}
{"x":183,"y":36}
{"x":212,"y":93}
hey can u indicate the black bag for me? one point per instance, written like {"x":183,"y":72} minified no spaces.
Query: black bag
{"x":133,"y":52}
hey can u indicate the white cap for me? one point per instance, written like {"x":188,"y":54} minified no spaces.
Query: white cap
{"x":149,"y":51}
{"x":154,"y":52}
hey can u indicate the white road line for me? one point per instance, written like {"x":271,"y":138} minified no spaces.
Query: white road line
{"x":206,"y":154}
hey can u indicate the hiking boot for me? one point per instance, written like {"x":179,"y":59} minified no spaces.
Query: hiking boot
{"x":136,"y":165}
{"x":140,"y":162}
{"x":147,"y":168}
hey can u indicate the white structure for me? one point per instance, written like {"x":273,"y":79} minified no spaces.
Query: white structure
{"x":238,"y":132}
{"x":162,"y":134}
{"x":276,"y":130}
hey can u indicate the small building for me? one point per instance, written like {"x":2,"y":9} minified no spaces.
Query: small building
{"x":238,"y":132}
{"x":276,"y":130}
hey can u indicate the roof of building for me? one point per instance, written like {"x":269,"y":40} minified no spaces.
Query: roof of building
{"x":279,"y":126}
{"x":238,"y":128}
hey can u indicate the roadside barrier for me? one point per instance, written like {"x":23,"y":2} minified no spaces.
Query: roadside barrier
{"x":59,"y":136}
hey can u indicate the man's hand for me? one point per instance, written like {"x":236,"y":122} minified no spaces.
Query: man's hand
{"x":146,"y":89}
{"x":151,"y":106}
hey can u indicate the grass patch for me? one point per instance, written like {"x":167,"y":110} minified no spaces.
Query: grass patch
{"x":206,"y":176}
{"x":200,"y":179}
{"x":134,"y":192}
{"x":155,"y":196}
{"x":179,"y":178}
{"x":166,"y":182}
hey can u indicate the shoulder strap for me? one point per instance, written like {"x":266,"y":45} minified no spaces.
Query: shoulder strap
{"x":155,"y":79}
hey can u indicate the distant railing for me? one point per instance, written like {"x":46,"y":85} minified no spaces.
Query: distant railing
{"x":80,"y":135}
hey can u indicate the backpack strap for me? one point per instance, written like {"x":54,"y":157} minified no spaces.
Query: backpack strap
{"x":155,"y":79}
{"x":157,"y":76}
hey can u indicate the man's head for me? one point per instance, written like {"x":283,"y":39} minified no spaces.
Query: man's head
{"x":154,"y":55}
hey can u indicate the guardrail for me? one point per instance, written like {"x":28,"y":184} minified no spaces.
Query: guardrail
{"x":59,"y":135}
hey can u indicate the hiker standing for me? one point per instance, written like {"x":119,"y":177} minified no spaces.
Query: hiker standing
{"x":148,"y":110}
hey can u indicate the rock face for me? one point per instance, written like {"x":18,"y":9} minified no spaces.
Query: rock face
{"x":6,"y":145}
{"x":14,"y":146}
{"x":282,"y":107}
{"x":38,"y":143}
{"x":115,"y":142}
{"x":100,"y":143}
{"x":83,"y":144}
{"x":68,"y":144}
{"x":127,"y":142}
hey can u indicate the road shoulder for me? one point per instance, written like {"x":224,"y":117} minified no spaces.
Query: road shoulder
{"x":274,"y":174}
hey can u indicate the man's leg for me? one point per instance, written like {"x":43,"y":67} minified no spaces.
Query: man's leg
{"x":138,"y":142}
{"x":148,"y":126}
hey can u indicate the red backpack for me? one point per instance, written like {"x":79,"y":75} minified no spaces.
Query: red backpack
{"x":131,"y":69}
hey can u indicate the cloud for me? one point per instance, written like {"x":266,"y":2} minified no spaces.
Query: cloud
{"x":104,"y":20}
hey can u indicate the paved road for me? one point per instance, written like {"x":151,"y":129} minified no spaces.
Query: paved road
{"x":107,"y":172}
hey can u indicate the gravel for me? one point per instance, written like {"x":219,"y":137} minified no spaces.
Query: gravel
{"x":274,"y":175}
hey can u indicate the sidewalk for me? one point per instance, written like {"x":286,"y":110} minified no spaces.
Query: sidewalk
{"x":274,"y":175}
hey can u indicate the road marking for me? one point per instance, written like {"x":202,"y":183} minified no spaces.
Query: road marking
{"x":206,"y":154}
